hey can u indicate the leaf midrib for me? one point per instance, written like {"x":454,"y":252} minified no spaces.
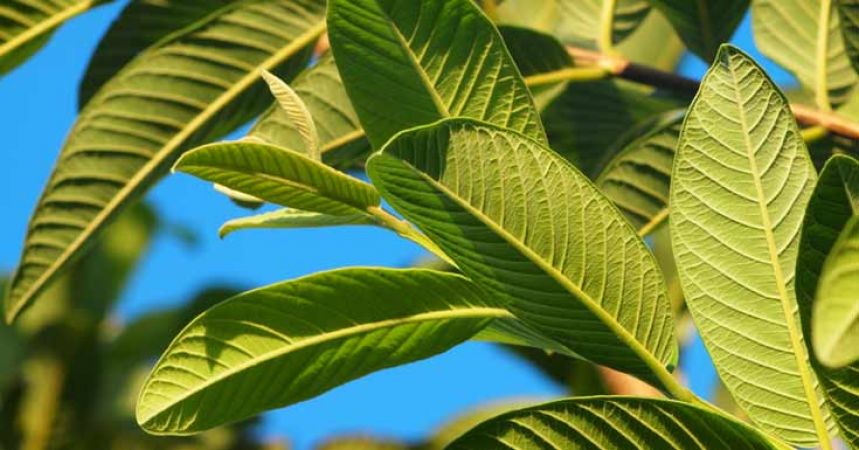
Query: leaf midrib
{"x":342,"y":333}
{"x":648,"y":358}
{"x":144,"y":172}
{"x":45,"y":26}
{"x":821,"y":93}
{"x":796,"y":343}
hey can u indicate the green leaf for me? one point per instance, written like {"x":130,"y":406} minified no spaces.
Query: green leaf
{"x":141,"y":24}
{"x":26,"y":25}
{"x":279,"y":176}
{"x":654,"y":43}
{"x":239,"y":198}
{"x":292,"y":218}
{"x":168,"y":99}
{"x":527,"y":226}
{"x":440,"y":59}
{"x":291,"y":341}
{"x":296,"y":112}
{"x":848,"y":13}
{"x":836,"y":317}
{"x":582,"y":22}
{"x":340,"y":135}
{"x":740,"y":183}
{"x":704,"y":24}
{"x":539,"y":57}
{"x":637,"y":180}
{"x":612,"y":422}
{"x":805,"y":38}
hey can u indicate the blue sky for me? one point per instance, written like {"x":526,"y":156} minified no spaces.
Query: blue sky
{"x":38,"y":107}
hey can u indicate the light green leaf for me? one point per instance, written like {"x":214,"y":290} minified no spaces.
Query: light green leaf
{"x":741,"y":180}
{"x":239,"y":198}
{"x":292,"y":341}
{"x":168,"y":99}
{"x":340,"y":135}
{"x":26,"y":25}
{"x":436,"y":59}
{"x":804,"y":36}
{"x":141,"y":24}
{"x":584,"y":22}
{"x":527,"y":226}
{"x":296,"y":112}
{"x":703,"y":24}
{"x":540,"y":59}
{"x":292,"y":218}
{"x":279,"y":176}
{"x":848,"y":13}
{"x":637,"y":180}
{"x":612,"y":422}
{"x":836,"y":311}
{"x":654,"y":43}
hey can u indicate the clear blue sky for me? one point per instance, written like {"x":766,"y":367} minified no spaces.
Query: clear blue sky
{"x":37,"y":108}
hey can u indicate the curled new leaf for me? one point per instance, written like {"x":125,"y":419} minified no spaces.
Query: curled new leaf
{"x":296,"y":112}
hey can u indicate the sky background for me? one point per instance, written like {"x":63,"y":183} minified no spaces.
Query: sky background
{"x":38,"y":107}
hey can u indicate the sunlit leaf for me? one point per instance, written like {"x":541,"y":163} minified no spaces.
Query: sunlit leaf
{"x":836,"y":317}
{"x":583,"y":21}
{"x":291,"y":341}
{"x":169,"y":98}
{"x":522,"y":222}
{"x":296,"y":113}
{"x":704,"y":24}
{"x":292,"y":218}
{"x":741,"y":180}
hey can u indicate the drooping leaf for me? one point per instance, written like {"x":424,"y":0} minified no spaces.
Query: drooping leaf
{"x":340,"y":135}
{"x":848,"y":14}
{"x":741,"y":180}
{"x":279,"y":176}
{"x":292,"y":218}
{"x":836,"y":311}
{"x":527,"y":226}
{"x":291,"y":341}
{"x":169,"y":98}
{"x":436,"y":59}
{"x":141,"y":23}
{"x":612,"y":422}
{"x":26,"y":25}
{"x":637,"y":180}
{"x":788,"y":32}
{"x":296,"y":112}
{"x":704,"y":25}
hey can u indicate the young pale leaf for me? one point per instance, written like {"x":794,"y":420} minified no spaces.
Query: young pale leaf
{"x":26,"y":25}
{"x":171,"y":97}
{"x":279,"y":176}
{"x":740,"y":183}
{"x":836,"y":311}
{"x":292,"y":218}
{"x":612,"y":423}
{"x":296,"y":112}
{"x":292,"y":341}
{"x":435,"y":58}
{"x":703,"y":24}
{"x":804,"y":36}
{"x":848,"y":12}
{"x":141,"y":24}
{"x":526,"y":225}
{"x":239,"y":198}
{"x":638,"y":179}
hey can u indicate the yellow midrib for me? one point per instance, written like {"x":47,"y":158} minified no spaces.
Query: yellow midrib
{"x":797,"y":346}
{"x":44,"y":26}
{"x":821,"y":94}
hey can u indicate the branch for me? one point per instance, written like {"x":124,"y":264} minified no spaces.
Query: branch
{"x":627,"y":70}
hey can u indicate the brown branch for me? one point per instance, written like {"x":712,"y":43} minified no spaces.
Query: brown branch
{"x":639,"y":73}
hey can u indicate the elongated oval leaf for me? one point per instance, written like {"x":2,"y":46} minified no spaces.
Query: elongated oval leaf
{"x":296,"y":112}
{"x":141,"y":24}
{"x":279,"y":176}
{"x":292,"y":218}
{"x":291,"y":341}
{"x":612,"y":422}
{"x":704,"y":24}
{"x":522,"y":222}
{"x":638,"y":179}
{"x":741,"y":180}
{"x":436,"y":59}
{"x":789,"y":32}
{"x":26,"y":25}
{"x":836,"y":311}
{"x":168,"y":99}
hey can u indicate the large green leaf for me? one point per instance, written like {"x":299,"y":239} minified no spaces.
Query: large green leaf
{"x":704,"y":24}
{"x":26,"y":25}
{"x":141,"y":24}
{"x":435,"y":59}
{"x":804,"y":36}
{"x":292,"y":218}
{"x":612,"y":423}
{"x":171,"y":97}
{"x":526,"y":225}
{"x":291,"y":341}
{"x":848,"y":13}
{"x":320,"y":88}
{"x":539,"y":57}
{"x":279,"y":176}
{"x":637,"y":180}
{"x":741,"y":180}
{"x":836,"y":312}
{"x":583,"y":22}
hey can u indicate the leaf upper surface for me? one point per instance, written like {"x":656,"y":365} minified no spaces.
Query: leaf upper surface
{"x":522,"y":222}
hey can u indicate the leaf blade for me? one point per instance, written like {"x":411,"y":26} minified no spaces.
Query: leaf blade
{"x":291,"y":218}
{"x":704,"y":25}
